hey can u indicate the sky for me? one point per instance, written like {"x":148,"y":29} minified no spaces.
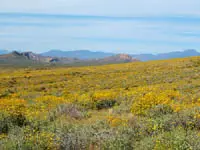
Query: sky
{"x":120,"y":26}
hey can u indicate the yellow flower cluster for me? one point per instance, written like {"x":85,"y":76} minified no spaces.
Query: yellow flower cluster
{"x":13,"y":106}
{"x":153,"y":98}
{"x":50,"y":101}
{"x":104,"y":95}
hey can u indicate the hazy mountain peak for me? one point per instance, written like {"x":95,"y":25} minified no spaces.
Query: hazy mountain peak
{"x":55,"y":50}
{"x":120,"y":58}
{"x":124,"y":56}
{"x":169,"y":55}
{"x":191,"y":51}
{"x":80,"y":54}
{"x":15,"y":53}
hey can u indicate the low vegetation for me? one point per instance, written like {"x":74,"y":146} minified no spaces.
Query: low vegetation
{"x":139,"y":105}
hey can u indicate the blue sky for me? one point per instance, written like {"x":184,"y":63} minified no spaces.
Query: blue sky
{"x":128,"y":26}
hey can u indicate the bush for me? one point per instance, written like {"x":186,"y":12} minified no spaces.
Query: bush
{"x":160,"y":110}
{"x":105,"y":104}
{"x":5,"y":124}
{"x":175,"y":139}
{"x":8,"y":121}
{"x":70,"y":110}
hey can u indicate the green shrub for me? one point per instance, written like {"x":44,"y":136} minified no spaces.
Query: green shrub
{"x":105,"y":104}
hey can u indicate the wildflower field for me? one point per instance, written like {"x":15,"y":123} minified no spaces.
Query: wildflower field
{"x":140,"y":105}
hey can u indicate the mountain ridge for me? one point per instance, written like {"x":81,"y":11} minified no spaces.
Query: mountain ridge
{"x":86,"y":54}
{"x":80,"y":54}
{"x":16,"y":57}
{"x":169,"y":55}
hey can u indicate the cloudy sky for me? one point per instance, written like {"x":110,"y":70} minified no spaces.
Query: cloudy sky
{"x":129,"y":26}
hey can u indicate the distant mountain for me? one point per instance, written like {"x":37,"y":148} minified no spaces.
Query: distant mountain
{"x":29,"y":58}
{"x":41,"y":59}
{"x":84,"y":57}
{"x":80,"y":54}
{"x":177,"y":54}
{"x":3,"y":52}
{"x":15,"y":59}
{"x":86,"y":54}
{"x":119,"y":58}
{"x":115,"y":59}
{"x":35,"y":57}
{"x":89,"y":57}
{"x":144,"y":57}
{"x":12,"y":55}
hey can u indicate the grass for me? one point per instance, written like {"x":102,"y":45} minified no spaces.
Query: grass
{"x":140,"y":105}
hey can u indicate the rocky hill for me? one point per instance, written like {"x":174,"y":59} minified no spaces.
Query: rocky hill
{"x":119,"y":58}
{"x":29,"y":58}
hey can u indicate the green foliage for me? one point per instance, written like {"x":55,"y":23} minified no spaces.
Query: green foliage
{"x":105,"y":104}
